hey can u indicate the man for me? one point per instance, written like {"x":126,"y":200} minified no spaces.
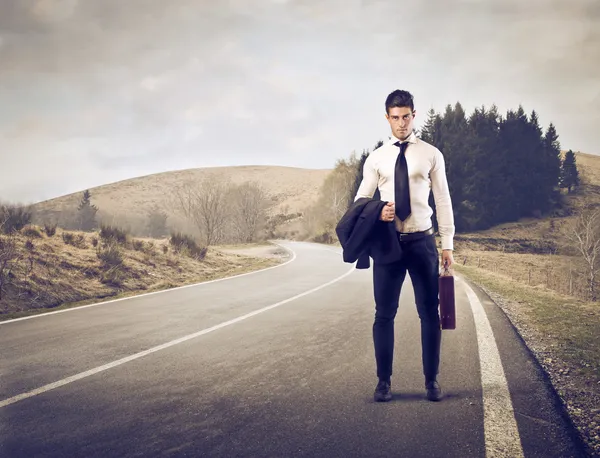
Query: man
{"x":405,"y":169}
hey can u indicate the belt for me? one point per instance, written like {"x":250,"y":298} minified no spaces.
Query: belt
{"x":410,"y":236}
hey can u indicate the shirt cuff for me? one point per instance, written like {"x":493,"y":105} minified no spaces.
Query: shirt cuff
{"x":447,"y":243}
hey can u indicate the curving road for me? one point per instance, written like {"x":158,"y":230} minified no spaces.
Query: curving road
{"x":276,"y":363}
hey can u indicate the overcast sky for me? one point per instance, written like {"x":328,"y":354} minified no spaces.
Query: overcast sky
{"x":95,"y":91}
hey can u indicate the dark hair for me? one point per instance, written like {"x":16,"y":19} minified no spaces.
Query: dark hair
{"x":399,"y":98}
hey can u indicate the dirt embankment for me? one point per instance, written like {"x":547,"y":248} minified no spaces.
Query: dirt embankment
{"x":40,"y":272}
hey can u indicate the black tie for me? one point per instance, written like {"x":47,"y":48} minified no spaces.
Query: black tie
{"x":402,"y":193}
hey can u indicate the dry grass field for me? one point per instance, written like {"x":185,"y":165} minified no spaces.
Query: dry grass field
{"x":53,"y":274}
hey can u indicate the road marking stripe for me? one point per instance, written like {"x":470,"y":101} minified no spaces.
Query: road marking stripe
{"x":500,"y":426}
{"x":153,"y":292}
{"x":118,"y":362}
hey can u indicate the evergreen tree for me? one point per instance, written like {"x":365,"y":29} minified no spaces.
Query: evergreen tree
{"x":484,"y":187}
{"x":516,"y":147}
{"x":157,"y":223}
{"x":552,"y":166}
{"x":569,"y":175}
{"x":427,"y":132}
{"x":87,"y":213}
{"x":541,"y":183}
{"x":450,"y":136}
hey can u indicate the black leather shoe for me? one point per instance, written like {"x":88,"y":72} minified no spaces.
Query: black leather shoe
{"x":434,"y":392}
{"x":383,"y":392}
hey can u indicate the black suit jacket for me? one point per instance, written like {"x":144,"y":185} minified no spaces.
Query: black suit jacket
{"x":362,"y":234}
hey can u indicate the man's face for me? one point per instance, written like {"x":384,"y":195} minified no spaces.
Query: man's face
{"x":401,"y":121}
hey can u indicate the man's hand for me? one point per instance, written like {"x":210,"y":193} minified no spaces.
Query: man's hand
{"x":447,"y":258}
{"x":388,"y":212}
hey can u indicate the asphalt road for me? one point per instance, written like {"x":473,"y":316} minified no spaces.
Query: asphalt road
{"x":277,"y":363}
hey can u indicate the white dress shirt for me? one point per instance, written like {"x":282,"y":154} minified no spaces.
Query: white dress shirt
{"x":426,"y":171}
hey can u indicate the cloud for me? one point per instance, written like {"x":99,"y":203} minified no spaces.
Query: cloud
{"x":117,"y":88}
{"x":53,"y":10}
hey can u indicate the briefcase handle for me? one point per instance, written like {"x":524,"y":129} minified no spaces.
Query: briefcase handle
{"x":446,"y":271}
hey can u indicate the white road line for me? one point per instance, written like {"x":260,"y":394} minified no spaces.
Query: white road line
{"x":500,"y":426}
{"x":72,"y":309}
{"x":118,"y":362}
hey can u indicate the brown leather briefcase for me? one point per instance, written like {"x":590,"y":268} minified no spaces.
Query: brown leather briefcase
{"x":446,"y":299}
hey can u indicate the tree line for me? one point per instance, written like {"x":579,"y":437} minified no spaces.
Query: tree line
{"x":212,"y":210}
{"x":499,"y":168}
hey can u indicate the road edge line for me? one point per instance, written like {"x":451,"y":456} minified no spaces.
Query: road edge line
{"x":104,"y":367}
{"x":501,"y":431}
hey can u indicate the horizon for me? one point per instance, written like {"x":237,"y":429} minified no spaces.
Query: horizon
{"x":78,"y":191}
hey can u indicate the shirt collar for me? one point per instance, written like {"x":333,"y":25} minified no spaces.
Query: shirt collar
{"x":412,"y":138}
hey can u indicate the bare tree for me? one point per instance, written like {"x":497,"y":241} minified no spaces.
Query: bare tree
{"x":204,"y":205}
{"x":583,"y":234}
{"x":335,"y":192}
{"x":249,"y":204}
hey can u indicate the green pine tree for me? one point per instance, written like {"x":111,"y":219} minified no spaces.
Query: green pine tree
{"x":428,"y":130}
{"x":569,"y":175}
{"x":87,"y":213}
{"x":552,"y":161}
{"x":451,"y":137}
{"x":484,"y":186}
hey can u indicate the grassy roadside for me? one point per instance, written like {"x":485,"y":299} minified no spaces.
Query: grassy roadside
{"x":244,"y":265}
{"x":47,"y":272}
{"x":563,"y":333}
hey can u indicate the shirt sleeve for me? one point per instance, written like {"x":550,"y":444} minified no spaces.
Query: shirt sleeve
{"x":370,"y":180}
{"x":443,"y":202}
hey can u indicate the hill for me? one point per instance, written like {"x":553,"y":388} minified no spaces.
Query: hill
{"x":290,"y":190}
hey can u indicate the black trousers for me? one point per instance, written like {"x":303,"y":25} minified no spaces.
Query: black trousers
{"x":420,"y":259}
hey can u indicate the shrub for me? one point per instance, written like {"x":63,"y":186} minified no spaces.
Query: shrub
{"x":13,"y":218}
{"x":113,"y":234}
{"x":110,"y":255}
{"x":114,"y":276}
{"x":183,"y":243}
{"x":68,"y":238}
{"x":138,"y":245}
{"x":172,"y":262}
{"x":33,"y":232}
{"x":324,"y":237}
{"x":80,"y":241}
{"x":50,"y":229}
{"x":149,"y":248}
{"x":76,"y":240}
{"x":179,"y":240}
